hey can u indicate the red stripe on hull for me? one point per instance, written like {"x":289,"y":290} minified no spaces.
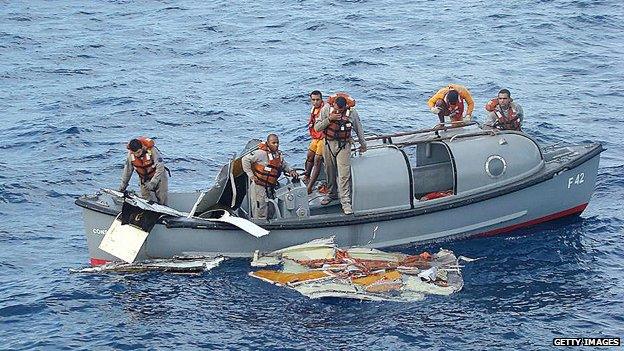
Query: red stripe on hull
{"x":569,"y":212}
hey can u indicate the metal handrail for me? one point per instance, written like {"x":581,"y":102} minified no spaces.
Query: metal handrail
{"x":485,"y":132}
{"x":447,"y":126}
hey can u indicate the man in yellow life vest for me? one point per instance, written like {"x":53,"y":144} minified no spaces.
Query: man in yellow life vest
{"x":264,"y":167}
{"x":315,"y":150}
{"x":449,"y":101}
{"x":336,"y":120}
{"x":143,"y":157}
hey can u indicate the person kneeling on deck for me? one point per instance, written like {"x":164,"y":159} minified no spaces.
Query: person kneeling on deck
{"x":449,"y":101}
{"x":263,"y":167}
{"x":144,"y":158}
{"x":337,"y":119}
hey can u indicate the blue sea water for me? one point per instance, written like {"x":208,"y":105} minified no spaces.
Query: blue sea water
{"x":79,"y":79}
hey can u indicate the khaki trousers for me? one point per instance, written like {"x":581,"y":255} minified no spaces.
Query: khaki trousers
{"x":258,"y":201}
{"x":160,"y":194}
{"x":338,"y":169}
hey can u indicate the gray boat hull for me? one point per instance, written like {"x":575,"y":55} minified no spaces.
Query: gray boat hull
{"x":563,"y":193}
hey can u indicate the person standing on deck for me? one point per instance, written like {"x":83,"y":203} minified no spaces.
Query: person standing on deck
{"x":315,"y":149}
{"x":336,"y":120}
{"x":264,"y":166}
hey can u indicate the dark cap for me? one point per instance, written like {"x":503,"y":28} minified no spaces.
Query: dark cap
{"x":134,"y":145}
{"x":341,"y":102}
{"x":452,"y":97}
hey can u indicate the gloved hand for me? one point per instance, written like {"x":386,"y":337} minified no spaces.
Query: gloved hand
{"x":435,"y":110}
{"x":468,"y":118}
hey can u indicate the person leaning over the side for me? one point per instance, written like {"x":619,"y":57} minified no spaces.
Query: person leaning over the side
{"x":144,"y":158}
{"x":336,"y":120}
{"x":449,"y":101}
{"x":315,"y":149}
{"x":504,"y":113}
{"x":264,"y":167}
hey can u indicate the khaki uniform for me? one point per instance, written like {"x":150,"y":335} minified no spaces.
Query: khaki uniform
{"x":159,"y":181}
{"x":337,"y":157}
{"x":259,"y":194}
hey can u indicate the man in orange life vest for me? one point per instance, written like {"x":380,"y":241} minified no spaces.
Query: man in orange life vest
{"x":315,"y":150}
{"x":504,"y":113}
{"x":147,"y":162}
{"x":449,"y":101}
{"x":264,"y":167}
{"x":336,"y":120}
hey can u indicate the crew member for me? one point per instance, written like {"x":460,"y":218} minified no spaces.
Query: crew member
{"x":336,"y":120}
{"x":264,"y":167}
{"x":315,"y":149}
{"x":144,"y":158}
{"x":504,"y":113}
{"x":449,"y":101}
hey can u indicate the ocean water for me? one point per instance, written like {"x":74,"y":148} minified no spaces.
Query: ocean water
{"x":79,"y":79}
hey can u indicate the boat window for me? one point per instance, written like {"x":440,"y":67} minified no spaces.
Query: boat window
{"x":495,"y":166}
{"x":432,"y":170}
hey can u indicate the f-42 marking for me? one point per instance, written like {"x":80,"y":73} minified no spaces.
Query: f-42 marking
{"x":576,"y":180}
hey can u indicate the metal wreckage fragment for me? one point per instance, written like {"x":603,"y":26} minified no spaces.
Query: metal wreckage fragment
{"x":177,"y":265}
{"x":319,"y":269}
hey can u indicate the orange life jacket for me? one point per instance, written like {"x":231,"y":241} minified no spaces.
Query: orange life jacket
{"x":313,"y":115}
{"x":144,"y":165}
{"x":436,"y":195}
{"x":350,"y":100}
{"x":268,"y":174}
{"x":455,"y":111}
{"x":340,"y":129}
{"x":509,"y":122}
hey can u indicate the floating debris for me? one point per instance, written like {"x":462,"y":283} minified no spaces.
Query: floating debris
{"x":319,"y":269}
{"x":178,"y":265}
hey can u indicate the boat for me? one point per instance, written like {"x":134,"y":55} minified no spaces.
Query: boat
{"x":411,"y":187}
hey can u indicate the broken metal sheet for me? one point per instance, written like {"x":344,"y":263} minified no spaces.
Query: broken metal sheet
{"x":179,"y":266}
{"x":145,"y":204}
{"x":123,"y":241}
{"x":416,"y":284}
{"x":324,"y":248}
{"x":361,"y":273}
{"x":226,"y":217}
{"x":247,"y":226}
{"x":318,"y":290}
{"x":366,"y":253}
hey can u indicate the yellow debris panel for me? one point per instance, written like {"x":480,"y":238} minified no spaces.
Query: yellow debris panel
{"x":288,"y":278}
{"x":373,"y":278}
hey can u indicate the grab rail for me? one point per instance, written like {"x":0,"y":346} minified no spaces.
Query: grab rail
{"x":446,"y":126}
